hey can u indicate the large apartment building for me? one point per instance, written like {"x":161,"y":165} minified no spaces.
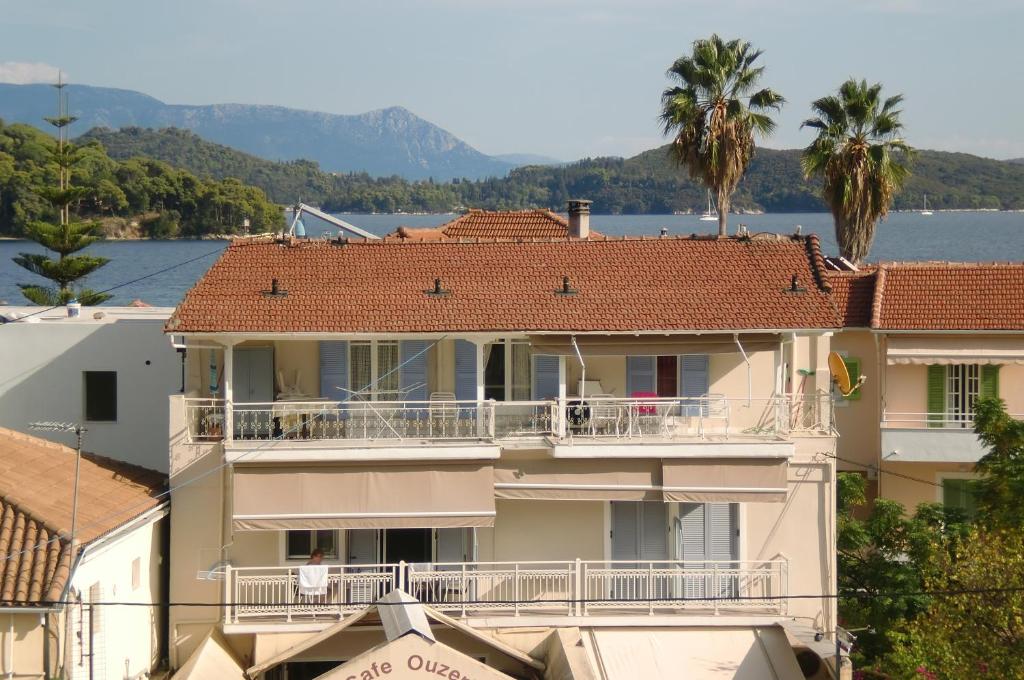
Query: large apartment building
{"x":932,"y":338}
{"x":564,"y":448}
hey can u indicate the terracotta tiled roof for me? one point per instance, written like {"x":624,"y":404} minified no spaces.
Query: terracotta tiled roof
{"x":949,"y":296}
{"x":853,"y":293}
{"x":508,"y":224}
{"x":36,"y":485}
{"x":664,"y":284}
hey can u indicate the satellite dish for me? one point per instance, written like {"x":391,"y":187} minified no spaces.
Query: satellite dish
{"x":841,"y":376}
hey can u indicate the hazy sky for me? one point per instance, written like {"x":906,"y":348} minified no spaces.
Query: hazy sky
{"x":564,"y":78}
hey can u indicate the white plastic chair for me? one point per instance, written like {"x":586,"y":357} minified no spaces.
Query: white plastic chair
{"x":604,"y":414}
{"x":443,"y":412}
{"x":717,"y":409}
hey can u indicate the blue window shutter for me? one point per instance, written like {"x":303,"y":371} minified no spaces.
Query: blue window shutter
{"x":693,"y":380}
{"x":334,"y":370}
{"x":545,"y":376}
{"x":640,"y":375}
{"x":465,"y":370}
{"x":412,"y":376}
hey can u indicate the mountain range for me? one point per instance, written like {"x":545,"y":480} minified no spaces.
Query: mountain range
{"x":385,"y":142}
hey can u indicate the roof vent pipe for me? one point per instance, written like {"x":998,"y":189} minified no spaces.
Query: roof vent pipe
{"x":579,"y":218}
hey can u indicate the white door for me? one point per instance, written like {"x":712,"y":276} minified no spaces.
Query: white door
{"x":361,"y":547}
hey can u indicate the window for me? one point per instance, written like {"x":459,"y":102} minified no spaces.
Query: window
{"x":507,"y":370}
{"x":373,"y":370}
{"x":100,"y":396}
{"x":960,"y":494}
{"x":963,"y":385}
{"x":300,"y":544}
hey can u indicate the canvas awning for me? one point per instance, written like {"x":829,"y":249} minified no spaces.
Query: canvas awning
{"x":720,"y":653}
{"x":363,"y":497}
{"x":960,"y":349}
{"x":714,"y":480}
{"x":579,"y":480}
{"x":652,"y":345}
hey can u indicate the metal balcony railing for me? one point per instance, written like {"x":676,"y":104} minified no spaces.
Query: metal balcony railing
{"x":571,"y":588}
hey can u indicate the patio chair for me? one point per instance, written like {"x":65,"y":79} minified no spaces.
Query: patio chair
{"x":717,"y":409}
{"x":443,"y":414}
{"x":604,"y":414}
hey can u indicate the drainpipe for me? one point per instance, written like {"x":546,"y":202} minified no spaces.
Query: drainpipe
{"x":583,"y":373}
{"x":750,"y":384}
{"x":10,"y":648}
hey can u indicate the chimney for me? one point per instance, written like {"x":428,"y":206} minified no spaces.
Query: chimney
{"x":579,"y":218}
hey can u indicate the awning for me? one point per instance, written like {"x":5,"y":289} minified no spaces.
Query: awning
{"x":214,"y":658}
{"x":961,"y":349}
{"x":713,"y":480}
{"x":363,"y":497}
{"x":579,"y":480}
{"x":651,"y":345}
{"x":720,"y":653}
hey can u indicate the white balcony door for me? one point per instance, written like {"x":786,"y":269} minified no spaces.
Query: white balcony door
{"x":253,"y":382}
{"x":361,"y":546}
{"x":707,"y":534}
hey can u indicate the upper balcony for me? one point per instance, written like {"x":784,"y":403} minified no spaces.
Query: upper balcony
{"x":578,"y":427}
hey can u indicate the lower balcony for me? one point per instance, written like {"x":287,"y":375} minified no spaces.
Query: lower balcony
{"x":312,"y":593}
{"x":931,"y":438}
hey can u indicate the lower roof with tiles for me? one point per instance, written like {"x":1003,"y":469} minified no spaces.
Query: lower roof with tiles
{"x":615,"y":285}
{"x":36,"y":492}
{"x":513,"y":224}
{"x":932,"y":296}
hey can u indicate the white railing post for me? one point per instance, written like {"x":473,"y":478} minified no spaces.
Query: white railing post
{"x":227,"y":593}
{"x":578,"y":588}
{"x":401,"y":577}
{"x":717,"y":587}
{"x":463,"y":590}
{"x":650,"y":588}
{"x":515,"y":589}
{"x":558,"y":418}
{"x":492,"y":425}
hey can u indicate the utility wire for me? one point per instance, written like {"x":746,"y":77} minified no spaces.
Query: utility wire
{"x":127,"y":283}
{"x":167,"y":492}
{"x":855,"y":594}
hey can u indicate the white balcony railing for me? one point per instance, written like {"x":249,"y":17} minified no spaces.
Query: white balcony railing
{"x":573,"y":588}
{"x":597,"y":417}
{"x":958,"y":421}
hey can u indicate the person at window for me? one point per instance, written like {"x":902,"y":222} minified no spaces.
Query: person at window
{"x":313,"y":578}
{"x":316,"y":557}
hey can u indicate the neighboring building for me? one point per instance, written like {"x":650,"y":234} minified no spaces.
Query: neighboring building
{"x":110,"y":369}
{"x":574,"y":447}
{"x":506,"y":224}
{"x":932,"y":338}
{"x":49,"y":627}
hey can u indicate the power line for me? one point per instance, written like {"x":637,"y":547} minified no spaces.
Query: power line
{"x":854,"y":594}
{"x":128,"y":283}
{"x":881,"y":470}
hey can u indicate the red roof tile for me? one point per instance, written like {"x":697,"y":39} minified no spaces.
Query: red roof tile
{"x":36,"y":491}
{"x":949,"y":296}
{"x":668,"y":284}
{"x":853,"y":293}
{"x":508,"y":224}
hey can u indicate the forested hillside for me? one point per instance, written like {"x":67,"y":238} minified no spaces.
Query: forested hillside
{"x":133,"y":196}
{"x":647,"y":183}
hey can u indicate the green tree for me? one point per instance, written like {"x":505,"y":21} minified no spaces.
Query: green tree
{"x":1000,"y":491}
{"x":861,"y":158}
{"x":714,"y":112}
{"x":975,"y":629}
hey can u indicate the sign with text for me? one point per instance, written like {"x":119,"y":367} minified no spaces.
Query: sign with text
{"x":414,"y":658}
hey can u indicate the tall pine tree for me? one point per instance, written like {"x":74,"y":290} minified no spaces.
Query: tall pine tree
{"x":64,"y":237}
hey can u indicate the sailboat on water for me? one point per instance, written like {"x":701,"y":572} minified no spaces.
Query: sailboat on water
{"x":711,"y":214}
{"x":925,"y":210}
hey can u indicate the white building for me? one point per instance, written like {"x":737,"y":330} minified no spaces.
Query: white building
{"x":110,"y":368}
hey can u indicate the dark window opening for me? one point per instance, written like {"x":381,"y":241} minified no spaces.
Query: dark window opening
{"x":300,"y":544}
{"x":101,"y":396}
{"x":494,"y":371}
{"x":668,"y":376}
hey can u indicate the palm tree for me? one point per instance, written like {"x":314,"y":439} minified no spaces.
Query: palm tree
{"x":714,"y":112}
{"x":861,"y":157}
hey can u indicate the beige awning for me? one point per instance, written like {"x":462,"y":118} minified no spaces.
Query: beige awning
{"x":579,"y":480}
{"x":714,"y":480}
{"x":649,"y":345}
{"x":214,"y":658}
{"x":960,"y":349}
{"x":363,"y":497}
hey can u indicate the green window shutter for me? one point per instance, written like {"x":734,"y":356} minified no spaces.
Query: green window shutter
{"x":989,"y":381}
{"x":936,"y":395}
{"x":853,"y":368}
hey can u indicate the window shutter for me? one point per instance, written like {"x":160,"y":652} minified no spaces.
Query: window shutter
{"x":640,"y":375}
{"x":722,"y":523}
{"x":412,"y":374}
{"x":334,"y":370}
{"x":989,"y":381}
{"x":545,"y":376}
{"x":465,"y":370}
{"x":654,"y":530}
{"x":936,"y":395}
{"x":625,"y":522}
{"x":694,"y":381}
{"x":691,"y":532}
{"x":451,"y":545}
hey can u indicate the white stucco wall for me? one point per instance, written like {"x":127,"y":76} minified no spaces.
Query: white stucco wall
{"x":41,"y":378}
{"x":126,"y":638}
